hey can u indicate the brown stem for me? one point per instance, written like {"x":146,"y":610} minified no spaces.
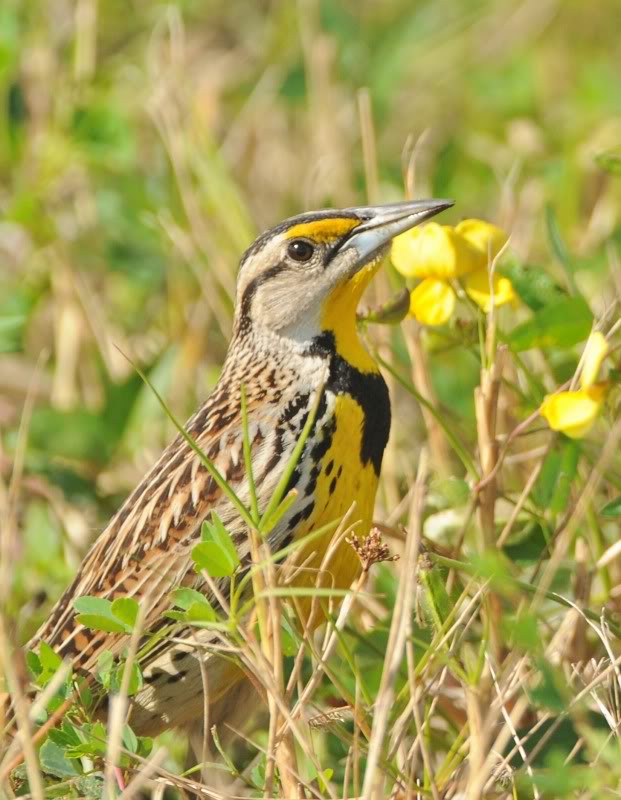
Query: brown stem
{"x":438,"y":445}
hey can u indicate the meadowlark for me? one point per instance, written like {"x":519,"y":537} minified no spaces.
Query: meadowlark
{"x":294,"y":348}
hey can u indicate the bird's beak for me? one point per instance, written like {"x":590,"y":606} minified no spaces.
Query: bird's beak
{"x":380,"y":224}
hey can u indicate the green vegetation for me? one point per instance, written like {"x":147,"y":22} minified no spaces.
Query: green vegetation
{"x":142,"y":147}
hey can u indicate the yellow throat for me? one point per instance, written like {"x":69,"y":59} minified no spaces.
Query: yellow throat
{"x":339,"y":317}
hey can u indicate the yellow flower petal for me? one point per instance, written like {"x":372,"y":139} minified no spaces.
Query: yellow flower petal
{"x":573,"y":413}
{"x":432,"y":251}
{"x":486,"y":240}
{"x":478,"y":288}
{"x":432,"y":302}
{"x":595,"y":352}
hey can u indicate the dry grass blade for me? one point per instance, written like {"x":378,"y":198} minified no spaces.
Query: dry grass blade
{"x":24,"y":725}
{"x":135,"y":786}
{"x":374,"y":779}
{"x":118,"y":708}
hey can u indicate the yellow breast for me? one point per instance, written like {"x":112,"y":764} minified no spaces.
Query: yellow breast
{"x":342,"y":481}
{"x":349,"y":469}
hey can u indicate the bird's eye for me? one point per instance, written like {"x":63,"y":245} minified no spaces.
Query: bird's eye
{"x":300,"y":250}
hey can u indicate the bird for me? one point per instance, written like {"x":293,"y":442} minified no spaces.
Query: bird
{"x":294,"y":352}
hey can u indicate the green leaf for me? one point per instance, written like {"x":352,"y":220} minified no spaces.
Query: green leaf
{"x":130,"y":740}
{"x":526,"y":544}
{"x":33,"y":662}
{"x":324,"y":778}
{"x":11,"y":330}
{"x":90,"y":787}
{"x":84,"y":692}
{"x":216,"y":554}
{"x":563,"y":324}
{"x":281,"y":509}
{"x":54,"y":762}
{"x":257,"y":774}
{"x":87,"y":604}
{"x":66,"y":736}
{"x":544,"y":487}
{"x":216,"y":532}
{"x":136,"y":680}
{"x":435,"y":600}
{"x":201,"y":612}
{"x":535,"y":288}
{"x":97,"y":613}
{"x":126,"y":610}
{"x":212,"y":558}
{"x":16,"y":306}
{"x":551,"y":490}
{"x":92,"y":741}
{"x":613,"y":508}
{"x":570,"y":455}
{"x":177,"y":616}
{"x":184,"y":598}
{"x":560,"y":778}
{"x":50,"y":660}
{"x":289,"y":640}
{"x":145,"y":746}
{"x":105,"y":666}
{"x":610,"y":161}
{"x":97,"y":622}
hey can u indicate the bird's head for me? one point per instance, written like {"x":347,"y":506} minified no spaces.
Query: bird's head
{"x":306,"y":276}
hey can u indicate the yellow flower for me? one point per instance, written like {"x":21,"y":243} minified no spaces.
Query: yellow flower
{"x":432,"y":302}
{"x":438,"y":254}
{"x":485,"y":239}
{"x":478,"y":289}
{"x":595,"y":352}
{"x":433,"y":251}
{"x":573,"y":413}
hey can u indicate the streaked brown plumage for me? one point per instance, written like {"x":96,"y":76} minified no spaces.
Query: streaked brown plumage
{"x":294,"y":337}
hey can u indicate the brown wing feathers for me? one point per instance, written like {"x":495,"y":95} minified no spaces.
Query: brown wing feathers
{"x":145,"y":550}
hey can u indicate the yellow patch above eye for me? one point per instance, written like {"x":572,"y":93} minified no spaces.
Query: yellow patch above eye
{"x":323,"y":230}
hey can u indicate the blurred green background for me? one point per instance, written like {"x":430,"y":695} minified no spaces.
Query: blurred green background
{"x":144,"y":144}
